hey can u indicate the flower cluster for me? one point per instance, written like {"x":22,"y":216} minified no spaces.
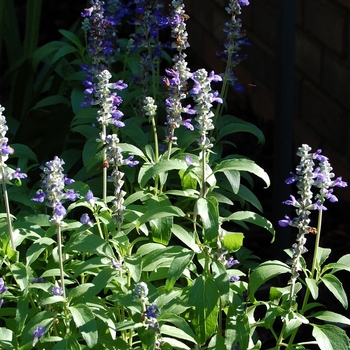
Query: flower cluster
{"x":53,"y":189}
{"x":204,"y":97}
{"x":177,"y":77}
{"x":107,"y":100}
{"x":234,"y":38}
{"x":307,"y":177}
{"x":6,"y":174}
{"x":141,"y":292}
{"x":115,"y":158}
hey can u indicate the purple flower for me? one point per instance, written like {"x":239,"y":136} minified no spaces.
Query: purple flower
{"x":85,"y":220}
{"x":243,"y":2}
{"x":291,"y":179}
{"x":40,"y":196}
{"x":5,"y":149}
{"x":90,"y":198}
{"x":338,"y":182}
{"x":234,"y":278}
{"x":129,"y":161}
{"x":38,"y":333}
{"x":152,"y":310}
{"x":319,"y":205}
{"x":57,"y":290}
{"x":71,"y":195}
{"x":285,"y":222}
{"x":318,"y":156}
{"x":60,"y":210}
{"x":18,"y":175}
{"x":3,"y":288}
{"x":292,"y":201}
{"x":116,"y":264}
{"x":231,"y":262}
{"x":189,"y":160}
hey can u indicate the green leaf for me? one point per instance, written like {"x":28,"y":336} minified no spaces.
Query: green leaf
{"x":67,"y":343}
{"x":160,"y":227}
{"x":7,"y":339}
{"x":71,"y":37}
{"x":161,"y":167}
{"x":176,"y":332}
{"x":23,"y":151}
{"x":177,"y":267}
{"x":50,"y":101}
{"x":134,"y":265}
{"x":85,"y":321}
{"x":249,"y":216}
{"x":158,"y":213}
{"x":240,"y":125}
{"x":204,"y":297}
{"x":21,"y":275}
{"x":234,"y":178}
{"x":208,"y":210}
{"x":37,"y":248}
{"x":330,"y":337}
{"x":63,"y":51}
{"x":265,"y":272}
{"x":312,"y":285}
{"x":233,"y":241}
{"x":186,"y":237}
{"x":21,"y":313}
{"x":331,"y":317}
{"x":89,"y":243}
{"x":336,"y":288}
{"x":322,"y":255}
{"x":243,"y":164}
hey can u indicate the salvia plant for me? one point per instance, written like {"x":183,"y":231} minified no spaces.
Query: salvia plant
{"x":141,"y":247}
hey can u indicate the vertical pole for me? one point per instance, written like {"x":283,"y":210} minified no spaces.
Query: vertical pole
{"x":283,"y":129}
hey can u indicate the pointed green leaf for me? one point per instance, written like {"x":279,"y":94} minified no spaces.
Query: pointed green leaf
{"x":186,"y":237}
{"x":204,"y":297}
{"x":158,"y":213}
{"x":71,"y":37}
{"x":51,"y":100}
{"x":243,"y":164}
{"x":265,"y":272}
{"x":37,"y":248}
{"x":21,"y":275}
{"x":234,"y":178}
{"x":89,"y":243}
{"x":85,"y":321}
{"x":253,"y":218}
{"x":162,"y":167}
{"x":336,"y":288}
{"x":177,"y":267}
{"x":330,"y":337}
{"x":331,"y":317}
{"x":208,"y":210}
{"x":312,"y":285}
{"x":67,"y":343}
{"x":134,"y":265}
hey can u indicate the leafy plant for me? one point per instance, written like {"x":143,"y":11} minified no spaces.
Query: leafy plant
{"x":144,"y":248}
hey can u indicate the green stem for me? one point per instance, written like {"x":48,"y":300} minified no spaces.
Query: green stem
{"x":7,"y":208}
{"x":60,"y":258}
{"x":312,"y":272}
{"x":104,"y":169}
{"x":203,"y":189}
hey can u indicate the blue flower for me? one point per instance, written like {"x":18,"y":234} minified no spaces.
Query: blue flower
{"x":57,"y":290}
{"x":86,"y":220}
{"x":234,"y":278}
{"x":3,"y":288}
{"x":38,"y":333}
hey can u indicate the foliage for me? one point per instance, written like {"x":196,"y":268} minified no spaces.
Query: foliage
{"x":144,"y":248}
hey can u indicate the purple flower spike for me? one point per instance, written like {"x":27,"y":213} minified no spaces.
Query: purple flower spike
{"x":243,"y":2}
{"x":338,"y":182}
